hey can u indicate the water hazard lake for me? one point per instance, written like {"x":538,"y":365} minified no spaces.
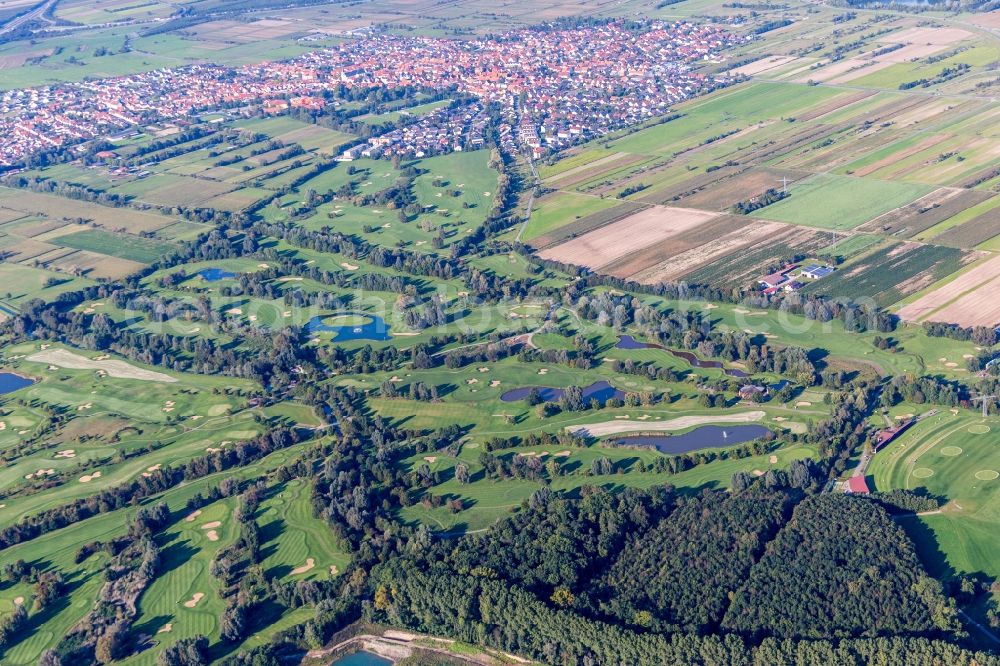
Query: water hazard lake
{"x":628,"y":342}
{"x":362,"y":659}
{"x":600,"y":391}
{"x":373,"y":328}
{"x":704,"y":437}
{"x":10,"y":382}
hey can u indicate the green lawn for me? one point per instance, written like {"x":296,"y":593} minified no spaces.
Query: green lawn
{"x":828,"y":201}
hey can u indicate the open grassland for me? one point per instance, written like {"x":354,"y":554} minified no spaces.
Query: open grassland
{"x":836,"y":202}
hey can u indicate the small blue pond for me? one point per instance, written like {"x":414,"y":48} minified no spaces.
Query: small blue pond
{"x":10,"y":382}
{"x":215,"y":274}
{"x":374,"y":329}
{"x":705,"y":437}
{"x":601,"y":391}
{"x":362,"y":659}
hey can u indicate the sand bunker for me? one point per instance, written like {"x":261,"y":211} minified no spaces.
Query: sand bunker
{"x":211,"y":525}
{"x":543,"y":371}
{"x":165,"y":629}
{"x":310,"y":563}
{"x":803,"y":403}
{"x":87,"y":478}
{"x":494,"y":383}
{"x":334,"y":570}
{"x":68,"y":453}
{"x":18,"y":601}
{"x":679,"y":423}
{"x":234,"y":311}
{"x":67,"y":359}
{"x":430,"y":459}
{"x":195,"y":598}
{"x":350,"y":267}
{"x":191,"y":517}
{"x":212,"y":535}
{"x":773,"y":460}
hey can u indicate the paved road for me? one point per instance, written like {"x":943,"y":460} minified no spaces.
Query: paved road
{"x":35,"y":13}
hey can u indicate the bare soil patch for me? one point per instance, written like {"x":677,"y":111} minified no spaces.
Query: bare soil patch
{"x":633,"y":233}
{"x":67,"y":359}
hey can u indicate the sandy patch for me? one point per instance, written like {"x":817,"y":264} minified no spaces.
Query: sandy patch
{"x":758,"y":472}
{"x":87,"y":478}
{"x":350,"y":267}
{"x":472,"y":381}
{"x":773,"y":460}
{"x":193,"y":515}
{"x":165,"y":629}
{"x":679,"y":423}
{"x":430,"y":459}
{"x":67,"y":359}
{"x":495,"y":383}
{"x":212,"y":535}
{"x":68,"y":453}
{"x":211,"y":525}
{"x":803,"y":403}
{"x":234,"y":311}
{"x":18,"y":601}
{"x":193,"y":601}
{"x":334,"y":570}
{"x":484,"y":369}
{"x":310,"y":563}
{"x":543,"y":371}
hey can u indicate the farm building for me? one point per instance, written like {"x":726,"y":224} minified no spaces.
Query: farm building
{"x":775,"y":279}
{"x":815,"y":272}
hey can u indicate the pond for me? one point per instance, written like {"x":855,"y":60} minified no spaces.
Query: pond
{"x":601,"y":391}
{"x":362,"y":659}
{"x":628,"y":342}
{"x":9,"y":382}
{"x":374,"y":327}
{"x":704,"y":437}
{"x":215,"y":274}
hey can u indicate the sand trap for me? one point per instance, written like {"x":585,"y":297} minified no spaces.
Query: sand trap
{"x":18,"y":601}
{"x":495,"y":383}
{"x":773,"y":460}
{"x":191,"y":516}
{"x":234,"y":311}
{"x":211,"y":525}
{"x":562,"y":454}
{"x":350,"y":267}
{"x":68,"y":453}
{"x":758,"y":472}
{"x":803,"y":403}
{"x":67,"y":359}
{"x":195,"y":598}
{"x":543,"y":371}
{"x":87,"y":478}
{"x":967,"y":356}
{"x":212,"y":535}
{"x":165,"y":629}
{"x":334,"y":570}
{"x":679,"y":423}
{"x":483,"y":369}
{"x":779,"y":419}
{"x":951,"y":364}
{"x":471,"y":381}
{"x":430,"y":459}
{"x":310,"y":563}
